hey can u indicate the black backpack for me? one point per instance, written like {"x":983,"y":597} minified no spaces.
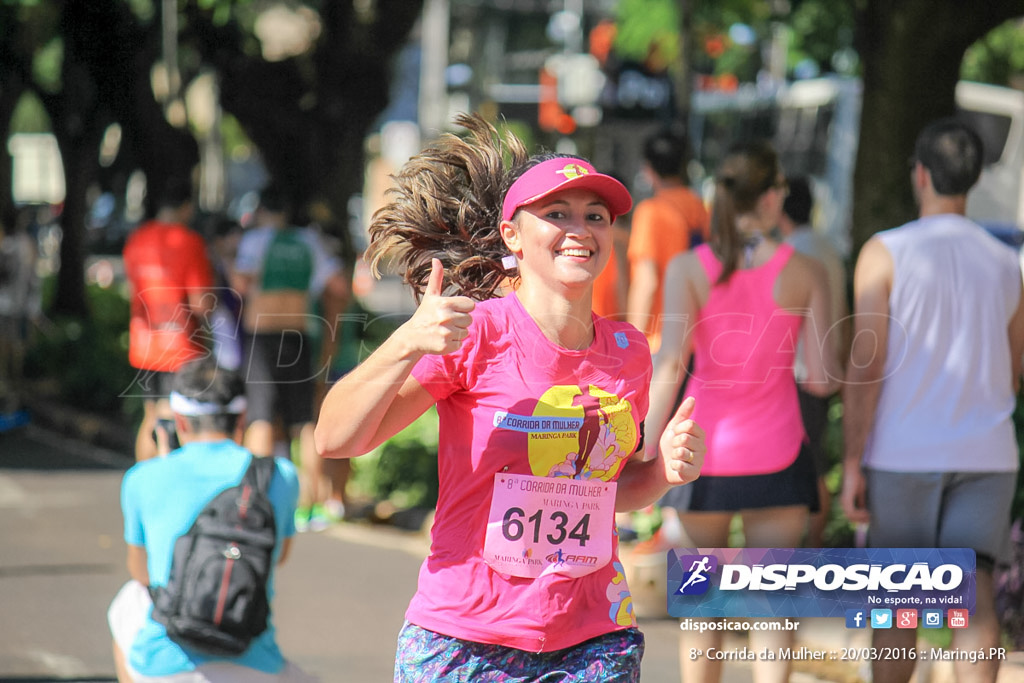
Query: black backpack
{"x":215,"y":600}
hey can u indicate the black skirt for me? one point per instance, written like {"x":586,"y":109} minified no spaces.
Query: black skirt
{"x":795,"y":485}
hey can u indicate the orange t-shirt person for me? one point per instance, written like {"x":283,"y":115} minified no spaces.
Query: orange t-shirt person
{"x":670,"y":222}
{"x":612,"y":285}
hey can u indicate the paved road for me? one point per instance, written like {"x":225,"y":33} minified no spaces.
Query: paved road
{"x":341,"y":596}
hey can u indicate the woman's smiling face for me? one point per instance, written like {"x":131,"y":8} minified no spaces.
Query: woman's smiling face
{"x":562,"y":238}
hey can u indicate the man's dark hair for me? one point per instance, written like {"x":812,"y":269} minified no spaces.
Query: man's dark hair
{"x":204,"y":381}
{"x":953,"y":153}
{"x":799,"y":201}
{"x":273,"y":198}
{"x":174,"y":193}
{"x":665,"y":153}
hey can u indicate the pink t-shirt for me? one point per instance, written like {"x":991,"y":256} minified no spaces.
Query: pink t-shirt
{"x":511,"y":401}
{"x":744,"y":347}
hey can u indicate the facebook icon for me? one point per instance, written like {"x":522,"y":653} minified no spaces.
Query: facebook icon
{"x":856,"y":618}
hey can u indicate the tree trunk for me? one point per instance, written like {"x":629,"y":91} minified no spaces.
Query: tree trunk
{"x":309,"y":116}
{"x":79,"y":165}
{"x":911,"y":52}
{"x":11,"y":91}
{"x":80,"y":116}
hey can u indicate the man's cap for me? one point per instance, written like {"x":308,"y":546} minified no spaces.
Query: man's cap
{"x":565,"y":173}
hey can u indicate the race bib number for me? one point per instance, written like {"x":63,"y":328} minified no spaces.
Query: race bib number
{"x":548,"y":525}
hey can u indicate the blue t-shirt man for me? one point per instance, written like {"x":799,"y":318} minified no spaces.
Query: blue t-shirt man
{"x":160,"y":500}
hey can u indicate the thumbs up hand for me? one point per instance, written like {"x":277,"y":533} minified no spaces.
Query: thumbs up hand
{"x":440,"y":323}
{"x":682,"y":446}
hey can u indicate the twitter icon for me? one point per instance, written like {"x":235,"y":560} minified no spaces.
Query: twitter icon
{"x":881,"y":618}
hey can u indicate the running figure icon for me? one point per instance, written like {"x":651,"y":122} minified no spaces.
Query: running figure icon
{"x":697,"y":571}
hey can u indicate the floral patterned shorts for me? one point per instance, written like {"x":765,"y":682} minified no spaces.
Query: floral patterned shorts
{"x":427,"y":656}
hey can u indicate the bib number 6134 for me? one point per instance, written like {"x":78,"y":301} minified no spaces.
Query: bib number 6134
{"x":513,"y":526}
{"x":545,"y":525}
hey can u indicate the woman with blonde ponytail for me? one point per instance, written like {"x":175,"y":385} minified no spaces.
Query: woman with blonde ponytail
{"x":541,"y":406}
{"x":738,"y":305}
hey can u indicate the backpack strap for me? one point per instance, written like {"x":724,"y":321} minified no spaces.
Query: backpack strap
{"x":260,"y":472}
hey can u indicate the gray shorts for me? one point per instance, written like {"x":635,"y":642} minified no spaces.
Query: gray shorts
{"x":942,"y":510}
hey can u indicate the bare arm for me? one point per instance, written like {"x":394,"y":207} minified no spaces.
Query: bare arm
{"x":820,"y":343}
{"x":670,"y":362}
{"x":380,"y":397}
{"x":1017,"y":343}
{"x":138,"y":567}
{"x":241,"y":283}
{"x":335,"y":298}
{"x":643,"y":283}
{"x":286,"y":548}
{"x":872,"y":284}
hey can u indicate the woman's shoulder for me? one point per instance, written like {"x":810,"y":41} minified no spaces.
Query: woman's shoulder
{"x":691,"y":260}
{"x":802,"y":265}
{"x":624,"y":335}
{"x":799,"y":278}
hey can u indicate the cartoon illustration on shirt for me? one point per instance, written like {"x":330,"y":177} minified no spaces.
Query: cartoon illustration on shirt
{"x":589,"y":435}
{"x":589,"y":430}
{"x":620,"y":610}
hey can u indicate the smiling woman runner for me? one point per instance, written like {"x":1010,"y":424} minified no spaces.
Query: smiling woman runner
{"x":541,"y":406}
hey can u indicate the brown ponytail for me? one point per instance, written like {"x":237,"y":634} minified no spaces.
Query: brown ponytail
{"x":446,"y":204}
{"x":748,"y":170}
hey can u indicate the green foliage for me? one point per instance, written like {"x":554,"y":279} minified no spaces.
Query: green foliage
{"x":236,"y":143}
{"x":818,"y":30}
{"x":997,"y":57}
{"x":46,"y":66}
{"x":648,"y":31}
{"x":839,"y":533}
{"x":144,"y":10}
{"x":403,"y":469}
{"x":87,"y":359}
{"x":1017,"y":511}
{"x":29,"y":116}
{"x":646,"y":27}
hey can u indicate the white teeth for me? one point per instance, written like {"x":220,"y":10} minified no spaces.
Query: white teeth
{"x":575,"y":252}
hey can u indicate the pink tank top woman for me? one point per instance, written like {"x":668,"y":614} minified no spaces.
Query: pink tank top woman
{"x":744,"y":348}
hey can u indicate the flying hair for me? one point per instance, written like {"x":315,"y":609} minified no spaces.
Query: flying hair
{"x":446,"y":204}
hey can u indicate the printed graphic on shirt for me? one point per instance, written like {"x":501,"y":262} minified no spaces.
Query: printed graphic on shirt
{"x":621,"y":610}
{"x":577,"y":432}
{"x":288,"y":264}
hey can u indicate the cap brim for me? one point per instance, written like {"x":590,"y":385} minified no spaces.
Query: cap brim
{"x":614,"y":194}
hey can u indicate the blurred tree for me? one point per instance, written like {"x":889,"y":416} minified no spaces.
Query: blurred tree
{"x":13,"y":85}
{"x":308,"y":113}
{"x":997,"y":58}
{"x":911,"y":53}
{"x":817,"y":31}
{"x":91,"y":64}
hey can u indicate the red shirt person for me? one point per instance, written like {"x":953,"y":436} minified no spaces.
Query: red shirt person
{"x":171,"y":286}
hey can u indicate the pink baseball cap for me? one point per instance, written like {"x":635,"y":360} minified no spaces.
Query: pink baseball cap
{"x":563,"y":173}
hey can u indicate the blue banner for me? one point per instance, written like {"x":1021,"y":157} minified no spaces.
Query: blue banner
{"x":817,"y":582}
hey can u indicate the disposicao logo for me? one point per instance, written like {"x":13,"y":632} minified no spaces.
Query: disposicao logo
{"x":696,"y":580}
{"x":800,"y":582}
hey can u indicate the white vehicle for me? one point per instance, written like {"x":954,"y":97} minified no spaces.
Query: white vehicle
{"x":998,"y":116}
